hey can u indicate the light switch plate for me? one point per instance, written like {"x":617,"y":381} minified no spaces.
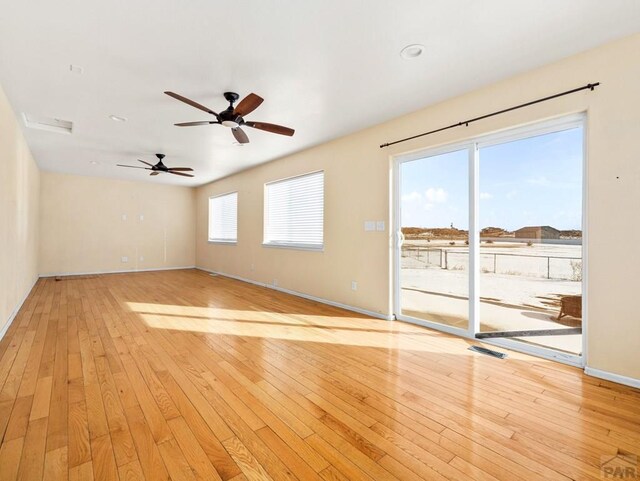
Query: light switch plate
{"x":369,"y":225}
{"x":380,"y":225}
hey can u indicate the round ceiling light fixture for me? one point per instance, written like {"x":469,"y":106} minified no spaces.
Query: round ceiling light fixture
{"x":93,"y":162}
{"x":117,"y":119}
{"x":412,"y":51}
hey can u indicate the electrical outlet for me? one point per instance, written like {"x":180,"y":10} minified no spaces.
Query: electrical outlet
{"x":252,"y":267}
{"x":124,"y":259}
{"x":141,"y":258}
{"x":354,"y":286}
{"x":141,"y":217}
{"x":124,"y":217}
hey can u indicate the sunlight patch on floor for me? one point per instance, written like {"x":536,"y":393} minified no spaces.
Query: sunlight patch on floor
{"x":292,"y":332}
{"x":351,"y":331}
{"x":269,"y":317}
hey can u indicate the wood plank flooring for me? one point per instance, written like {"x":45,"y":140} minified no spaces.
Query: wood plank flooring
{"x":186,"y":376}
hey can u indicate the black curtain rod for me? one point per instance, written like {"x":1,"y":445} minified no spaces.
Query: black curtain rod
{"x":482,"y":117}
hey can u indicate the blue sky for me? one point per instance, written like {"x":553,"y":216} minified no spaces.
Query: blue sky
{"x":534,"y":181}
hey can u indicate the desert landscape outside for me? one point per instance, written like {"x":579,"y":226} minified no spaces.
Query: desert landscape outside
{"x":522,"y":284}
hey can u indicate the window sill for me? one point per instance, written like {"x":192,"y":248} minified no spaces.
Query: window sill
{"x":229,"y":243}
{"x":298,"y":247}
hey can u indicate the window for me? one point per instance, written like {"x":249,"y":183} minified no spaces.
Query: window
{"x":223,"y":218}
{"x":294,"y":212}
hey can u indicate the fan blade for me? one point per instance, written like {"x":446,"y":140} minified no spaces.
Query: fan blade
{"x":248,"y":104}
{"x":190,"y":124}
{"x":276,"y":129}
{"x":150,"y":165}
{"x":154,"y":173}
{"x":179,"y":173}
{"x":133,"y":166}
{"x":186,"y":169}
{"x":240,"y":135}
{"x":191,"y":102}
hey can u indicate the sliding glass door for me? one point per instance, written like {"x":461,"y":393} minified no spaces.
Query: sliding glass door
{"x":489,"y":238}
{"x":531,"y":238}
{"x":434,"y":230}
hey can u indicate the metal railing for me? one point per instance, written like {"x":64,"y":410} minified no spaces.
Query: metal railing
{"x":546,"y":266}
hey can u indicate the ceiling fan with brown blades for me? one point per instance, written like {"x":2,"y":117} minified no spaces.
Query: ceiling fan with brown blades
{"x":160,"y":167}
{"x":233,"y":117}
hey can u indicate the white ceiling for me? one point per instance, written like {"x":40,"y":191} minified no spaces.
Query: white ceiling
{"x":326,"y":68}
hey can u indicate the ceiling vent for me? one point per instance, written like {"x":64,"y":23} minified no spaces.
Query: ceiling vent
{"x":47,"y":123}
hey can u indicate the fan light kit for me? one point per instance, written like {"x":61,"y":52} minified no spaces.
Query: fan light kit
{"x":233,"y":117}
{"x":412,"y":51}
{"x":161,"y":168}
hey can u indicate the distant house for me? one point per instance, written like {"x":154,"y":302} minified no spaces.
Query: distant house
{"x":537,"y":232}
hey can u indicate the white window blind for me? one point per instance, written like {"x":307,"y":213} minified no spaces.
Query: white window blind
{"x":223,"y":218}
{"x":294,"y":212}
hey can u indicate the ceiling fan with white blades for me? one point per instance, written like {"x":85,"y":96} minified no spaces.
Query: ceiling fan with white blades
{"x":233,"y":117}
{"x":160,"y":167}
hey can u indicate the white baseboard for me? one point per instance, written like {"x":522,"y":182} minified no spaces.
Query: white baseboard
{"x":14,"y":313}
{"x":128,"y":271}
{"x":303,"y":295}
{"x":609,"y":376}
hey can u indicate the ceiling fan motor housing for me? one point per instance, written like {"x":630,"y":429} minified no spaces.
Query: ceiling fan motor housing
{"x":227,"y":117}
{"x":160,"y":165}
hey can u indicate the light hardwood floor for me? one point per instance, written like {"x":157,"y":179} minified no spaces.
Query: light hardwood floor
{"x":181,"y":375}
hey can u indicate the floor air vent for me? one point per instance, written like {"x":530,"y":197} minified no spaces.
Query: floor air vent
{"x":488,"y":352}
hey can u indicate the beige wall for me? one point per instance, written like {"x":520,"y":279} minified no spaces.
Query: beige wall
{"x":19,"y":191}
{"x":357,"y":178}
{"x":82,"y":228}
